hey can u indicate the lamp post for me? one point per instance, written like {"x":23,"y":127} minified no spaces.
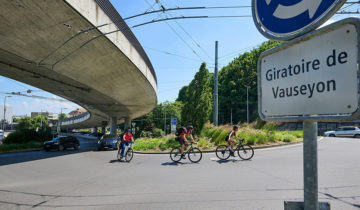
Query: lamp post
{"x":4,"y":118}
{"x":59,"y":122}
{"x":247,"y":104}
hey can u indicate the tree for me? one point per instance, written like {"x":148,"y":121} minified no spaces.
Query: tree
{"x":62,"y":116}
{"x":155,"y":119}
{"x":233,"y":79}
{"x":198,"y":100}
{"x":182,"y":94}
{"x":25,"y":123}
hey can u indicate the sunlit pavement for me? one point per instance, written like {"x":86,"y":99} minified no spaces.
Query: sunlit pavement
{"x":89,"y":179}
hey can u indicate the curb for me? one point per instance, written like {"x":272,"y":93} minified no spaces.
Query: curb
{"x":211,"y":151}
{"x":24,"y":150}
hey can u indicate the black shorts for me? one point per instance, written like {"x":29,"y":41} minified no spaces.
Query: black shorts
{"x":180,"y":140}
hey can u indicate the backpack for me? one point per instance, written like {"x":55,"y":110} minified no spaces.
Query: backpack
{"x":180,"y":130}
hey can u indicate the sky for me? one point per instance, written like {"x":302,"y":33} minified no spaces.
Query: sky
{"x":175,"y":48}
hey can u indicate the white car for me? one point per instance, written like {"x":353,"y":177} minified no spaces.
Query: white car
{"x":344,"y":132}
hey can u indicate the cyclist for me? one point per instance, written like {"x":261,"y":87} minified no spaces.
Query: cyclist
{"x":232,"y":142}
{"x":126,"y":141}
{"x":183,"y":139}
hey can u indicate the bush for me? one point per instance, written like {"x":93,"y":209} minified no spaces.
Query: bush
{"x":158,"y":133}
{"x":221,"y":137}
{"x":289,"y":138}
{"x":146,"y":134}
{"x":15,"y":138}
{"x":27,"y":145}
{"x":205,"y":143}
{"x":259,"y":123}
{"x":145,"y":144}
{"x":270,"y":127}
{"x":171,"y":143}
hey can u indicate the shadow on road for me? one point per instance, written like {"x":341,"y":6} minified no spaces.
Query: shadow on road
{"x":173,"y":163}
{"x":342,"y":200}
{"x":86,"y":145}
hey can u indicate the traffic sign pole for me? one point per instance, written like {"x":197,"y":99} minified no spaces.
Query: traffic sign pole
{"x":310,"y":163}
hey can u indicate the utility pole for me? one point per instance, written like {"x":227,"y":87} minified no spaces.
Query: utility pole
{"x":165,"y":121}
{"x":216,"y":100}
{"x":41,"y":119}
{"x":231,"y":123}
{"x":4,"y":118}
{"x":247,"y":104}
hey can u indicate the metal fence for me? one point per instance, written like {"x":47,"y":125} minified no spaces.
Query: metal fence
{"x":75,"y":119}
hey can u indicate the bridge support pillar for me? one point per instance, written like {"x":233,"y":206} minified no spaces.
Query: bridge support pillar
{"x":103,"y":130}
{"x":127,"y":124}
{"x":113,"y":125}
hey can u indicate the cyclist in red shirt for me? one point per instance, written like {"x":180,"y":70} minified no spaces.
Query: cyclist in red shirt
{"x":183,"y":139}
{"x":126,"y":141}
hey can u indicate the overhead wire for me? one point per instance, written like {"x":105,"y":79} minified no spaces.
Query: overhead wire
{"x":196,"y":43}
{"x":179,"y":36}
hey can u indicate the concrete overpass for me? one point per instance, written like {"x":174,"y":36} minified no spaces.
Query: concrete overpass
{"x":81,"y":50}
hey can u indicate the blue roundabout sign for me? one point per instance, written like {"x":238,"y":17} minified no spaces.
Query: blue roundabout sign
{"x":286,"y":20}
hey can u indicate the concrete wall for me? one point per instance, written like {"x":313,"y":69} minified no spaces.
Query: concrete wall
{"x":40,"y":45}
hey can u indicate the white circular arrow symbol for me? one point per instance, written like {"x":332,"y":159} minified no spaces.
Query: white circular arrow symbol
{"x":287,"y":12}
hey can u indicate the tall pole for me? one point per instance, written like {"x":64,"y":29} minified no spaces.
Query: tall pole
{"x":231,"y":123}
{"x":247,"y":104}
{"x":3,"y":121}
{"x":216,"y":100}
{"x":41,"y":119}
{"x":165,"y":121}
{"x":310,"y":166}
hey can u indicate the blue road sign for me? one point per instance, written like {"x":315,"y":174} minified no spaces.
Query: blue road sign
{"x":173,"y":121}
{"x":285,"y":20}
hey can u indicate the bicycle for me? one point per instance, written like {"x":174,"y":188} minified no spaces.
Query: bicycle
{"x":194,"y":154}
{"x":245,"y":151}
{"x":129,"y":153}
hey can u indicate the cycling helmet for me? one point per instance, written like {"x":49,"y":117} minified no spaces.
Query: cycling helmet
{"x":190,"y":127}
{"x":235,"y":127}
{"x":129,"y":130}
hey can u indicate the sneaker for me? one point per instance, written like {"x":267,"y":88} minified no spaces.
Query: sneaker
{"x":223,"y":152}
{"x":232,"y":153}
{"x":183,"y":157}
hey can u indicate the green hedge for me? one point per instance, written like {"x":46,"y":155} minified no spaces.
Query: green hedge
{"x":15,"y":138}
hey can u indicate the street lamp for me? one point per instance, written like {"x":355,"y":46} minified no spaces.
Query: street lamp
{"x":247,"y":103}
{"x":59,"y":122}
{"x":4,"y":118}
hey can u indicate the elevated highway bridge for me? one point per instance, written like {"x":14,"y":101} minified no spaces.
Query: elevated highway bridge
{"x":81,"y":50}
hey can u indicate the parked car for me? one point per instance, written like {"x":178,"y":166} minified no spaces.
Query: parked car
{"x":62,"y":143}
{"x":344,"y":132}
{"x":99,"y":135}
{"x":108,"y":141}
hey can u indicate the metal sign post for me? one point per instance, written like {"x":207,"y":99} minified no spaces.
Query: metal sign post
{"x":309,"y":79}
{"x":310,"y":166}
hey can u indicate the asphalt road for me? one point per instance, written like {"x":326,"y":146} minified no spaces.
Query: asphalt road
{"x":96,"y":180}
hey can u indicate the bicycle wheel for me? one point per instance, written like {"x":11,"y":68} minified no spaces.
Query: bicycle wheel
{"x":246,"y":152}
{"x":175,"y":154}
{"x":222,"y":152}
{"x":129,"y":155}
{"x":195,"y":155}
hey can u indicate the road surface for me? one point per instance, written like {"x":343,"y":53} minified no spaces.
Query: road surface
{"x":89,"y":179}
